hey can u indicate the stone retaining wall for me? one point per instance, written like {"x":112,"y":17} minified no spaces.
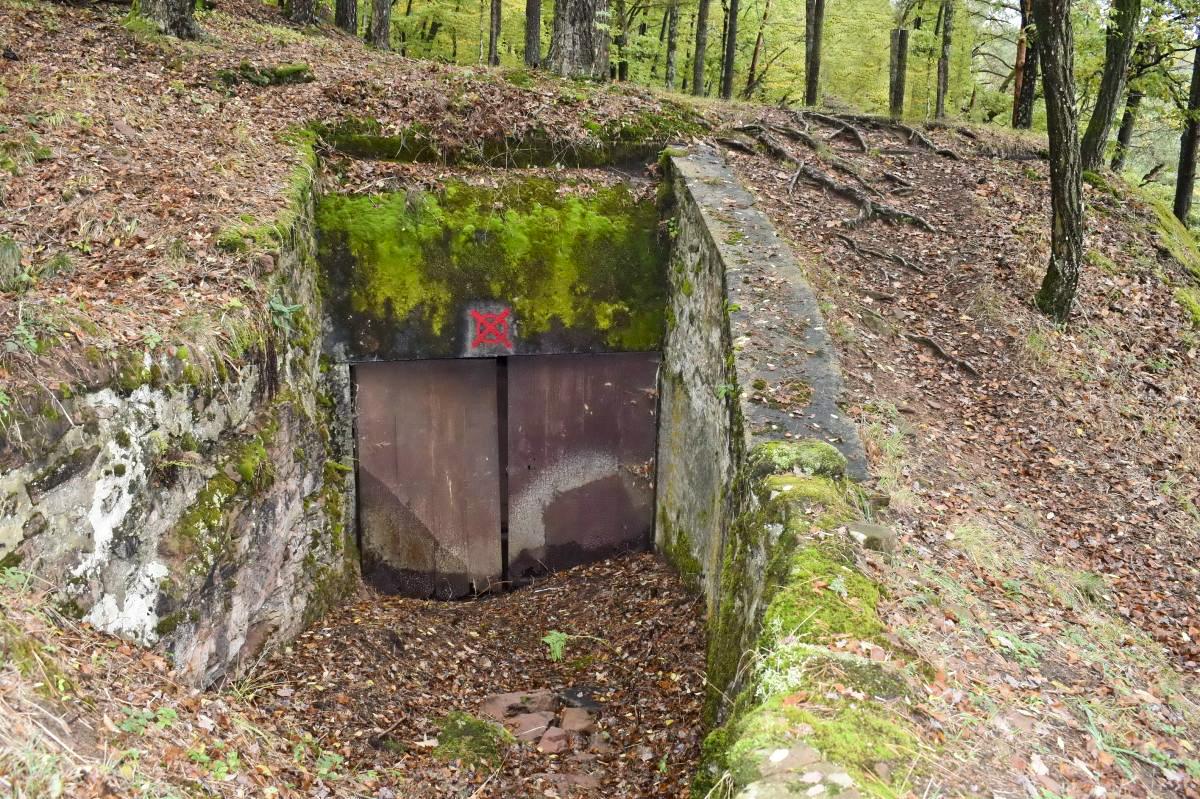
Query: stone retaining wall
{"x":196,"y":501}
{"x":757,"y":471}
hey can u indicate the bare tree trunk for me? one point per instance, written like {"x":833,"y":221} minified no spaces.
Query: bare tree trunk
{"x":672,"y":41}
{"x":662,"y":37}
{"x":1125,"y":132}
{"x":701,"y":45}
{"x":814,"y":21}
{"x":1026,"y":92}
{"x":621,"y":37}
{"x":1118,"y":45}
{"x":379,"y":32}
{"x":578,"y":43}
{"x":731,"y":32}
{"x":1018,"y":73}
{"x":494,"y":35}
{"x":426,"y":36}
{"x":1057,"y":46}
{"x":751,"y":79}
{"x":173,"y":17}
{"x":345,"y":16}
{"x":533,"y":33}
{"x":1189,"y":143}
{"x":899,"y":72}
{"x":303,"y":12}
{"x":943,"y":77}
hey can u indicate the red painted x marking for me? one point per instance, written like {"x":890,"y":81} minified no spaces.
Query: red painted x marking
{"x":491,"y":328}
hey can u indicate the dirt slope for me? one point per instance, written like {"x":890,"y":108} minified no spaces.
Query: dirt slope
{"x":1044,"y":480}
{"x":125,"y":157}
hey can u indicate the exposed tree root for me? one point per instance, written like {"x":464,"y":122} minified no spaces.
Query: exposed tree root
{"x":868,"y":209}
{"x":842,"y":125}
{"x":872,"y":252}
{"x":936,"y":349}
{"x":913,"y":135}
{"x":736,"y":144}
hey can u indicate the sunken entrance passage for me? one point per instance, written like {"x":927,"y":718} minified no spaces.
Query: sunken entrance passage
{"x":504,"y":343}
{"x":476,"y":473}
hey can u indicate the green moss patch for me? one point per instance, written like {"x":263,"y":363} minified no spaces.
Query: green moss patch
{"x":1177,"y":239}
{"x":277,"y":75}
{"x":785,"y":642}
{"x":585,"y":269}
{"x":471,"y":740}
{"x":823,"y":598}
{"x":856,"y":735}
{"x":799,"y":457}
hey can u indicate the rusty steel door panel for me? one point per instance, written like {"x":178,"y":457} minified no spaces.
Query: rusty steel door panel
{"x":581,"y":435}
{"x":429,"y":476}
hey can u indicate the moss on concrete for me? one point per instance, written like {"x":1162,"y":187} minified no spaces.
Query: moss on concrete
{"x":823,"y":598}
{"x":790,"y":590}
{"x":587,"y":264}
{"x":799,"y":457}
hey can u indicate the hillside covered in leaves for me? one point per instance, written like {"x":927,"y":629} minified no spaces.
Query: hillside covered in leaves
{"x":1042,"y":479}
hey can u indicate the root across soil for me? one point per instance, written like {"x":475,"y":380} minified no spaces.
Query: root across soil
{"x":378,"y":680}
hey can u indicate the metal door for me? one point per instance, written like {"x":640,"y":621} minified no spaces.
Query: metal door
{"x":581,"y":435}
{"x":429,"y":476}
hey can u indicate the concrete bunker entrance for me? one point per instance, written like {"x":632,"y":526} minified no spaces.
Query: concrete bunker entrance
{"x":484,"y":473}
{"x":504,"y":346}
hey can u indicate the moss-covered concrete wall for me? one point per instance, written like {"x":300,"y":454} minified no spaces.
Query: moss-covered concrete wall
{"x":580,"y":270}
{"x":755,"y":487}
{"x":201,"y":500}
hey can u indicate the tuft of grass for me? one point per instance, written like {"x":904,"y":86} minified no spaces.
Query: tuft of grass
{"x":886,"y":442}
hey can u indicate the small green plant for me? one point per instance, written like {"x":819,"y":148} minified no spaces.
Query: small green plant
{"x":137,"y":720}
{"x":15,"y":580}
{"x":328,"y":763}
{"x":725,"y":390}
{"x":1027,"y":653}
{"x":556,"y":642}
{"x":281,"y":313}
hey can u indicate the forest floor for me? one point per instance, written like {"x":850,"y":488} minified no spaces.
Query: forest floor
{"x":1044,"y":479}
{"x":369,"y":702}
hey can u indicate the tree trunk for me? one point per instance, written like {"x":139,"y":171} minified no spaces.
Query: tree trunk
{"x":1118,"y":45}
{"x":494,"y":35}
{"x":1057,"y":52}
{"x":345,"y":16}
{"x":1189,"y":142}
{"x":943,"y":77}
{"x":1018,"y":73}
{"x":814,"y":21}
{"x":899,"y":72}
{"x":672,"y":41}
{"x":731,"y":32}
{"x":173,"y":17}
{"x":1026,"y":92}
{"x":304,"y":12}
{"x":533,"y":33}
{"x":622,"y":36}
{"x":578,"y":45}
{"x":1125,"y":132}
{"x":751,"y":79}
{"x":379,"y":33}
{"x":701,"y":46}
